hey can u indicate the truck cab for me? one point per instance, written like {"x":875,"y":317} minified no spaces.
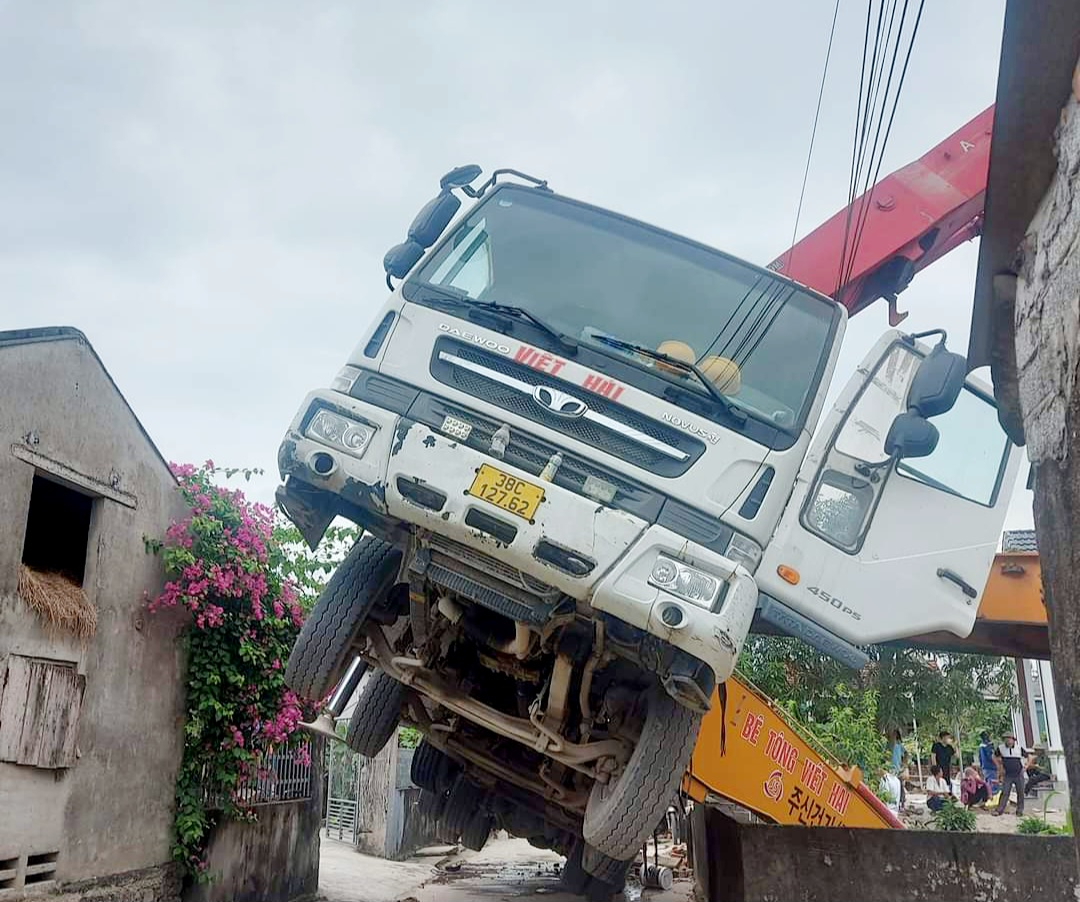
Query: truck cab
{"x":587,"y":453}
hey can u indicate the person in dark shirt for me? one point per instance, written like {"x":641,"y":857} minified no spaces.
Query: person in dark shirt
{"x":943,"y":752}
{"x":1010,"y":758}
{"x":1035,"y":775}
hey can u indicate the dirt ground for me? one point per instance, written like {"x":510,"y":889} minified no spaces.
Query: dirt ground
{"x":507,"y":869}
{"x":985,"y":822}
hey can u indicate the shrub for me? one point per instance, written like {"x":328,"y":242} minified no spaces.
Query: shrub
{"x":954,"y":818}
{"x":224,"y":567}
{"x":1032,"y":825}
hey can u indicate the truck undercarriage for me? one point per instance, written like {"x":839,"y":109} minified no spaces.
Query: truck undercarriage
{"x":558,"y":708}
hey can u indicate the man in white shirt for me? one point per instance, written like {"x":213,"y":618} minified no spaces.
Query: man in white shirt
{"x":937,"y":790}
{"x":1010,"y":759}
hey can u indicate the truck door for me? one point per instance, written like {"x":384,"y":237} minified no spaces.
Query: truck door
{"x":875,"y":549}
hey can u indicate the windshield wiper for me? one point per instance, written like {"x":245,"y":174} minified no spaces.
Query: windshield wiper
{"x":710,"y":388}
{"x":568,"y":344}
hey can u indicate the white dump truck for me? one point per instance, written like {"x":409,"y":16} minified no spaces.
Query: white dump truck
{"x":586,"y":454}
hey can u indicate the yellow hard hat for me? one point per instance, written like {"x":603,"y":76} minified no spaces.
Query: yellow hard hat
{"x":680,"y":350}
{"x":723,"y":372}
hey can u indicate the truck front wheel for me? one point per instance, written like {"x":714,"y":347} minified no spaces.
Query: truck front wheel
{"x":622,"y":813}
{"x":324,"y":647}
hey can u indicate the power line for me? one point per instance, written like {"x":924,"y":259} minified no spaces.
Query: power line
{"x":888,"y":128}
{"x":871,"y":116}
{"x":813,"y":131}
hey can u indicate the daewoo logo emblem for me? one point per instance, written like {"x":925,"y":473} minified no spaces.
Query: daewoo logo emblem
{"x":558,"y":402}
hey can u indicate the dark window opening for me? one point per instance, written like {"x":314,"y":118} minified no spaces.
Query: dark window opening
{"x":57,"y":529}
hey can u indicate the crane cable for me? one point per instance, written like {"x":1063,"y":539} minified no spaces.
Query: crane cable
{"x":865,"y":208}
{"x":868,"y":168}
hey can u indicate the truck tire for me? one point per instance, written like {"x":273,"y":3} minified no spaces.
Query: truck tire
{"x":464,"y":801}
{"x":602,"y":891}
{"x":376,"y":716}
{"x":607,"y":870}
{"x":574,"y":878}
{"x":432,"y":805}
{"x":621,"y":815}
{"x":577,"y":878}
{"x":477,"y":830}
{"x":425,"y":766}
{"x":323,"y":648}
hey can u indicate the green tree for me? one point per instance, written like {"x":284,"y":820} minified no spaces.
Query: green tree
{"x":953,"y":692}
{"x":310,"y":569}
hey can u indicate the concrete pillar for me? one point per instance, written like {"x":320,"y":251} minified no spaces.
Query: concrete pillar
{"x":1047,"y":320}
{"x":1055,"y":750}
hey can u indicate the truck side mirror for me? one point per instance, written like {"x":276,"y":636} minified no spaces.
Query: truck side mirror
{"x":401,"y":258}
{"x":460,"y":176}
{"x":938,"y":382}
{"x":911,"y":435}
{"x":433,"y":218}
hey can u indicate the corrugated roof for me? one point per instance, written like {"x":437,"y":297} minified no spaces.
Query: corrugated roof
{"x":1019,"y":540}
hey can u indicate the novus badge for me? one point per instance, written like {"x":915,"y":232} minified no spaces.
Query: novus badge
{"x":692,"y":428}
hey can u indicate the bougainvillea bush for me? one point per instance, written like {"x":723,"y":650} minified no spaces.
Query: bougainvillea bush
{"x":225,"y":567}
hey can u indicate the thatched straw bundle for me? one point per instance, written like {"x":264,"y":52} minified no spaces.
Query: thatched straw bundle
{"x":61,"y":603}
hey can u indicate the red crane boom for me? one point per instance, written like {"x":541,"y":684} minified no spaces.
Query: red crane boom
{"x":910,"y":218}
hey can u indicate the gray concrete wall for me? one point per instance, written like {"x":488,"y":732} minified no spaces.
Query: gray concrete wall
{"x":753,"y":863}
{"x":112,"y":812}
{"x":274,"y":859}
{"x":375,"y":797}
{"x":1047,"y":334}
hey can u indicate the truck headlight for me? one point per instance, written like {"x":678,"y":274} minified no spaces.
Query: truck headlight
{"x":744,"y":550}
{"x":340,"y":432}
{"x":686,"y":582}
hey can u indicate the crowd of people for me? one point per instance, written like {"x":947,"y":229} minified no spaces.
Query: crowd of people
{"x":1001,"y":769}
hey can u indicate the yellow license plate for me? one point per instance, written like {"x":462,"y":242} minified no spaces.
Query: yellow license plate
{"x":506,"y":491}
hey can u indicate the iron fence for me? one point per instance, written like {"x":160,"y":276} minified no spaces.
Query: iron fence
{"x":278,"y":774}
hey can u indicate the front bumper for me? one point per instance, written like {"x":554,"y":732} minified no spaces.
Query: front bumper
{"x":411,"y":474}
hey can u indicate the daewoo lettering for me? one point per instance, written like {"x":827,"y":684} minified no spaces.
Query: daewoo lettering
{"x":474,"y":338}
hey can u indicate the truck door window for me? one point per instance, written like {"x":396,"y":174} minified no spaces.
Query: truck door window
{"x":971,"y":452}
{"x":840,"y":507}
{"x":468,"y":266}
{"x":885,"y":395}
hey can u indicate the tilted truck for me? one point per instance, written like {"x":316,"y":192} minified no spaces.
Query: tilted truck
{"x":585,"y":451}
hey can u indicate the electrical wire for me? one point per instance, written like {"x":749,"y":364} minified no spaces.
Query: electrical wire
{"x":813,"y":131}
{"x":868,"y":154}
{"x":888,"y":128}
{"x":867,"y":182}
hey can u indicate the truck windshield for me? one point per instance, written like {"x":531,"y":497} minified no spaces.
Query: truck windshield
{"x":592,"y":274}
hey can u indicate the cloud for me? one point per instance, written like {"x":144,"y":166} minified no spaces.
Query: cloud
{"x":207,"y":189}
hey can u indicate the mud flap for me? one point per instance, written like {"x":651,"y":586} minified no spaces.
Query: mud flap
{"x":309,"y":508}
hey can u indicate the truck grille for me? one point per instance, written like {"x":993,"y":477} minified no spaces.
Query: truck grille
{"x":528,"y":453}
{"x":492,"y":566}
{"x":591,"y":433}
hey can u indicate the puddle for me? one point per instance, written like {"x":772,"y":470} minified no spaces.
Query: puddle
{"x":529,"y":878}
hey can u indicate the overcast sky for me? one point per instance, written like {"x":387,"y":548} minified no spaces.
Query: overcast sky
{"x":206,"y":189}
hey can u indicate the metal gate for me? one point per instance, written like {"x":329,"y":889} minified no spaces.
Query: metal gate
{"x":343,"y":778}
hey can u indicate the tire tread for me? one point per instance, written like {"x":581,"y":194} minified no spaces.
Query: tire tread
{"x":320,"y":651}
